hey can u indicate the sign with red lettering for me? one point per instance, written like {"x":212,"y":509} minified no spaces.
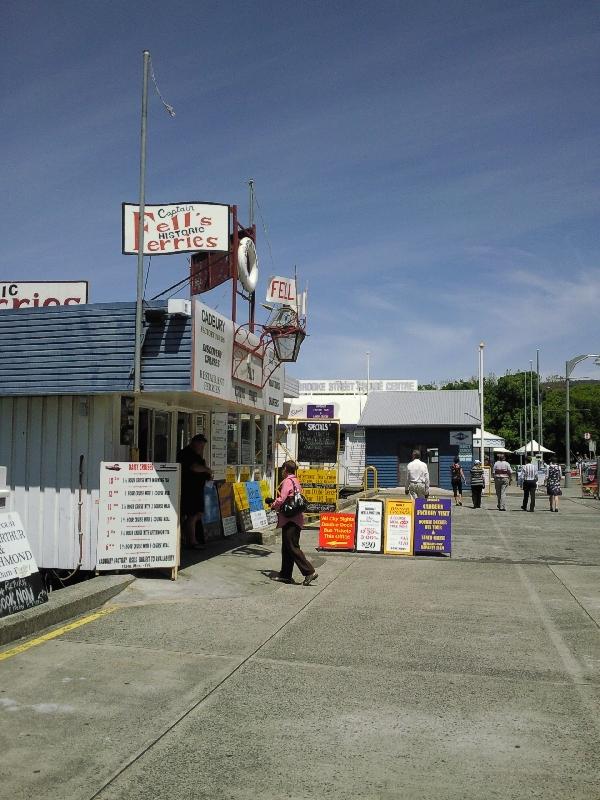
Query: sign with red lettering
{"x":177,"y":228}
{"x":337,"y":531}
{"x":282,"y":290}
{"x":41,"y":294}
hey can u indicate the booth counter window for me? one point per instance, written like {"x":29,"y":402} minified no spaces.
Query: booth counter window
{"x":249,"y":442}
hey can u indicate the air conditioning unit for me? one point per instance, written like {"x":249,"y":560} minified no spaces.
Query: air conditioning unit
{"x":180,"y":308}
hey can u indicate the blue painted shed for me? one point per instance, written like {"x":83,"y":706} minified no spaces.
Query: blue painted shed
{"x":440,"y":424}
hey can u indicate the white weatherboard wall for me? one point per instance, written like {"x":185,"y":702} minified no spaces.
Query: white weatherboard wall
{"x":45,"y":492}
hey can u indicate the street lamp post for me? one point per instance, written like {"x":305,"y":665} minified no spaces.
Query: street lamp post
{"x":569,"y":367}
{"x":482,"y":448}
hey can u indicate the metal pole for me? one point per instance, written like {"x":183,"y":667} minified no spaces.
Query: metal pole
{"x":531,"y":403}
{"x":368,"y":370}
{"x":482,"y":443}
{"x":252,"y":300}
{"x":520,"y":436}
{"x":567,"y":429}
{"x":539,"y":407}
{"x":525,"y":411}
{"x":137,"y":364}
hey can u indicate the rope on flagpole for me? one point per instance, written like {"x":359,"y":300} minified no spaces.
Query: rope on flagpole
{"x":168,"y":108}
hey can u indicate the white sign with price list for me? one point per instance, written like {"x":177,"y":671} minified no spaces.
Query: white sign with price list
{"x":138,"y":527}
{"x":369,"y":526}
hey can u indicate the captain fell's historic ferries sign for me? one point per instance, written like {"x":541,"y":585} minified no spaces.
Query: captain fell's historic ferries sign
{"x":176,"y":228}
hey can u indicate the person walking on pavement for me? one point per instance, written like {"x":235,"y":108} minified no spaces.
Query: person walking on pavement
{"x":477,"y":483}
{"x":529,"y":484}
{"x":457,"y":477}
{"x":502,"y":480}
{"x":290,"y":530}
{"x":553,"y":483}
{"x":417,"y":477}
{"x":194,"y":474}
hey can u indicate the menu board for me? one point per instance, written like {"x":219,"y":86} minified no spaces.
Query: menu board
{"x":227,"y":506}
{"x":319,"y":486}
{"x":369,"y":526}
{"x":399,"y":527}
{"x":138,"y":527}
{"x":218,"y":444}
{"x":337,"y":531}
{"x":21,"y":585}
{"x":318,"y":442}
{"x":433,"y":525}
{"x":211,"y":520}
{"x":255,"y":500}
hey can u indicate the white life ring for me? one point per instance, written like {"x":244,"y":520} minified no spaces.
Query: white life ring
{"x":247,"y":264}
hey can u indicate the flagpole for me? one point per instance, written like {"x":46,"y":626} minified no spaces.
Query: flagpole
{"x":137,"y":365}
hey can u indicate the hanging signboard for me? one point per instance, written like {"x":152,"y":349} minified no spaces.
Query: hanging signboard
{"x":318,"y":442}
{"x":320,"y":411}
{"x":213,"y":349}
{"x":21,"y":585}
{"x":369,"y":526}
{"x":461,"y":438}
{"x":138,"y":526}
{"x":176,"y":228}
{"x":399,"y":515}
{"x":41,"y":294}
{"x":337,"y":531}
{"x":218,"y":444}
{"x":282,"y":290}
{"x":433,"y":525}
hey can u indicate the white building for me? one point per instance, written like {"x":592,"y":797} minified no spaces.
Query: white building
{"x":336,"y":399}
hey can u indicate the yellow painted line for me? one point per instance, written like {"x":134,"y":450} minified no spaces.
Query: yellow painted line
{"x":22,"y":648}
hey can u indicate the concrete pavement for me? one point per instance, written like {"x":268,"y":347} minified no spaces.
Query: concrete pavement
{"x":471,"y":677}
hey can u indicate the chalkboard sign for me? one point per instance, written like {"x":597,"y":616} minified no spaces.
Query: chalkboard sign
{"x":21,"y":584}
{"x":318,"y":442}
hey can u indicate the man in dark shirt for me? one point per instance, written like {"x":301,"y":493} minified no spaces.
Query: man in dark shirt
{"x":194,"y":474}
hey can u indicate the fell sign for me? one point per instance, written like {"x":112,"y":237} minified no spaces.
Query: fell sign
{"x":177,"y":228}
{"x":21,"y":584}
{"x":337,"y":532}
{"x":138,"y":527}
{"x":433,"y":525}
{"x":399,"y":527}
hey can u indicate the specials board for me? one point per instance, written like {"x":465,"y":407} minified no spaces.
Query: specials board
{"x":318,"y":442}
{"x":399,"y":515}
{"x":138,"y":527}
{"x":21,"y":584}
{"x":369,"y":526}
{"x":433,"y":525}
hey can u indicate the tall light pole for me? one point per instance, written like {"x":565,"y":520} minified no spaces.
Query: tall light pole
{"x":525,"y":410}
{"x":539,"y":407}
{"x":531,"y":403}
{"x":569,"y":367}
{"x":482,"y":448}
{"x":368,"y":370}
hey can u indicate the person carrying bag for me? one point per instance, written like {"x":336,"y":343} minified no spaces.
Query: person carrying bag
{"x":290,"y":505}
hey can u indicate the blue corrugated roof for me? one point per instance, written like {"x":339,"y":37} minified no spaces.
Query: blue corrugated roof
{"x":89,"y":349}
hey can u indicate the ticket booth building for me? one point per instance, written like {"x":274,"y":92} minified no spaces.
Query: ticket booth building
{"x":67,"y":403}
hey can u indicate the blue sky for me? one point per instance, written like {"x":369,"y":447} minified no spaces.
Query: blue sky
{"x":430,"y":167}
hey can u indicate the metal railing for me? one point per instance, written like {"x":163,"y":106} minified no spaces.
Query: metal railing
{"x":370,"y":470}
